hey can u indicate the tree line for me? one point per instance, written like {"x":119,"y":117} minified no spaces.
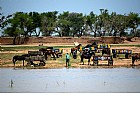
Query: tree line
{"x":70,"y":24}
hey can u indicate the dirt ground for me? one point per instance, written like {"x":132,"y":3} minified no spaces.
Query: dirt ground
{"x":60,"y":62}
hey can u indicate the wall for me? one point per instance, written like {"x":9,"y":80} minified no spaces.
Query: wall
{"x":61,"y":40}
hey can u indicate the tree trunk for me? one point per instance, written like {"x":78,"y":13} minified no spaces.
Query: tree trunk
{"x":14,"y":40}
{"x":95,"y":34}
{"x":18,"y":40}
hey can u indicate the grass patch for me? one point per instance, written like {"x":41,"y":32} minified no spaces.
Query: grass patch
{"x":125,"y":45}
{"x":6,"y":56}
{"x":19,"y":48}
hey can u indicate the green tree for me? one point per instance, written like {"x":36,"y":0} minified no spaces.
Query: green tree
{"x":111,"y":27}
{"x":76,"y":24}
{"x":103,"y":22}
{"x":13,"y":29}
{"x":19,"y":24}
{"x":63,"y":24}
{"x":3,"y":20}
{"x":133,"y":22}
{"x":138,"y":33}
{"x":48,"y":23}
{"x":117,"y":24}
{"x":91,"y":22}
{"x":70,"y":24}
{"x":36,"y":22}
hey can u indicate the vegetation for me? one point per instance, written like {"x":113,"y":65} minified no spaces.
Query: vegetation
{"x":18,"y":48}
{"x":70,"y":24}
{"x":21,"y":48}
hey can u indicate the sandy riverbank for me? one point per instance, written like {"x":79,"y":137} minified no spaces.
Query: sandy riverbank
{"x":6,"y":57}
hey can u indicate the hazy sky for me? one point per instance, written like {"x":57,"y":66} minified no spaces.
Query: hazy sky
{"x":80,"y":6}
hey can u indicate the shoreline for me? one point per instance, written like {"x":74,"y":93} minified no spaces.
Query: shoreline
{"x":73,"y":67}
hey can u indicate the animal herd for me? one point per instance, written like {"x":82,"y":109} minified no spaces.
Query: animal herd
{"x":94,"y":52}
{"x":102,"y":52}
{"x":42,"y":55}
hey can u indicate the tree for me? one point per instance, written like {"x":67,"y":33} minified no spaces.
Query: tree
{"x":76,"y":24}
{"x":25,"y":23}
{"x":91,"y":22}
{"x":111,"y":27}
{"x":63,"y":24}
{"x":19,"y":24}
{"x":138,"y":33}
{"x":103,"y":22}
{"x":133,"y":22}
{"x":36,"y":22}
{"x":13,"y":29}
{"x":48,"y":23}
{"x":69,"y":24}
{"x":3,"y":19}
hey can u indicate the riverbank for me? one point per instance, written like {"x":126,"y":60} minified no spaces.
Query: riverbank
{"x":7,"y":53}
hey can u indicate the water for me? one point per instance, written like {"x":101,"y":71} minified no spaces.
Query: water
{"x":70,"y":80}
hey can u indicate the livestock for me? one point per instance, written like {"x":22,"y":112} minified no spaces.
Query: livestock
{"x":20,"y":58}
{"x":92,"y":46}
{"x":77,"y":48}
{"x":58,"y":52}
{"x":86,"y":55}
{"x":135,"y":57}
{"x":48,"y":52}
{"x":30,"y":57}
{"x":74,"y":54}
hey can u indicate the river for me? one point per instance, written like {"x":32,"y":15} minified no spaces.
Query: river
{"x":70,"y":80}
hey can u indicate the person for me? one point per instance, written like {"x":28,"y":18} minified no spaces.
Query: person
{"x":67,"y":59}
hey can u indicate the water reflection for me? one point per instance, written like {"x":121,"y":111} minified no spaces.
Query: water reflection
{"x":70,"y":80}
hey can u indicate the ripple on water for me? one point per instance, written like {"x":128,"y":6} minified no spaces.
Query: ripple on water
{"x":70,"y":80}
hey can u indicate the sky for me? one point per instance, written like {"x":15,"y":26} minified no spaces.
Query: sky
{"x":79,"y":6}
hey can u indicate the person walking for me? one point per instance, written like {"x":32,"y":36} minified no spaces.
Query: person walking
{"x":67,"y":59}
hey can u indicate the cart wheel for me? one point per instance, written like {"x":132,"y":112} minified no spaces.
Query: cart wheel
{"x":95,"y":63}
{"x":42,"y":64}
{"x":110,"y":63}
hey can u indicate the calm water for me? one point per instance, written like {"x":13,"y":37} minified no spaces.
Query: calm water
{"x":70,"y":80}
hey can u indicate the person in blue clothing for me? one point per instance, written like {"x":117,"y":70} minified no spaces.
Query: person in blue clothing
{"x":67,"y":59}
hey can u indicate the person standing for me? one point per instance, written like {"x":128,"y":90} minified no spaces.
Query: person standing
{"x":67,"y":59}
